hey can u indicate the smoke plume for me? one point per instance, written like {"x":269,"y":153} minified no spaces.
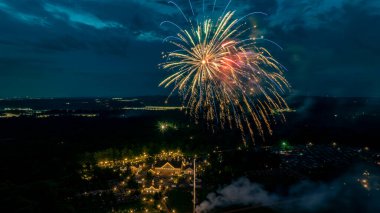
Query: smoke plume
{"x":345,"y":194}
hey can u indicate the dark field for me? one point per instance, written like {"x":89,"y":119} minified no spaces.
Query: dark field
{"x":40,"y":158}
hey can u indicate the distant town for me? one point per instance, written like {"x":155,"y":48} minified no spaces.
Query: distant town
{"x":155,"y":176}
{"x":41,"y":108}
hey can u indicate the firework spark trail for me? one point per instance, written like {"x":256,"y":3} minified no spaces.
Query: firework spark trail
{"x":223,"y":78}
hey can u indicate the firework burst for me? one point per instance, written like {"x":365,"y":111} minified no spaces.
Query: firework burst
{"x":223,"y":76}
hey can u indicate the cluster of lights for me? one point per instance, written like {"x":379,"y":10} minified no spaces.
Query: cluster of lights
{"x":169,"y":155}
{"x":148,"y":189}
{"x":156,"y":108}
{"x":364,"y":180}
{"x":137,"y":159}
{"x":163,"y":155}
{"x":165,"y":126}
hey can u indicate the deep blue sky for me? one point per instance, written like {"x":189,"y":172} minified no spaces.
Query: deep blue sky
{"x":71,"y":48}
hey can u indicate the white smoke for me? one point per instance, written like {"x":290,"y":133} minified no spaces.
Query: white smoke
{"x":344,"y":194}
{"x":241,"y":192}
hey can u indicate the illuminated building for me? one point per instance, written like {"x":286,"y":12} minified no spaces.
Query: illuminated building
{"x":151,"y":190}
{"x":168,"y":170}
{"x":188,"y":171}
{"x":136,"y":170}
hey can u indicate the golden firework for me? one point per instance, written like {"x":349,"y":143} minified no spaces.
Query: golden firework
{"x":223,"y":79}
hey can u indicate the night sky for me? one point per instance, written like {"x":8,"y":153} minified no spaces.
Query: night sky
{"x":77,"y":48}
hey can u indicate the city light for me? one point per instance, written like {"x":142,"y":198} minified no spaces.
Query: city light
{"x":165,"y":126}
{"x":169,"y":168}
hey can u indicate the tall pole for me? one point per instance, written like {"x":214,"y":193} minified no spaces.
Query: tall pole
{"x":194,"y":186}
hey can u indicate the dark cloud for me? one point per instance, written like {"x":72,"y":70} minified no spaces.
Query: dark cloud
{"x":330,"y":46}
